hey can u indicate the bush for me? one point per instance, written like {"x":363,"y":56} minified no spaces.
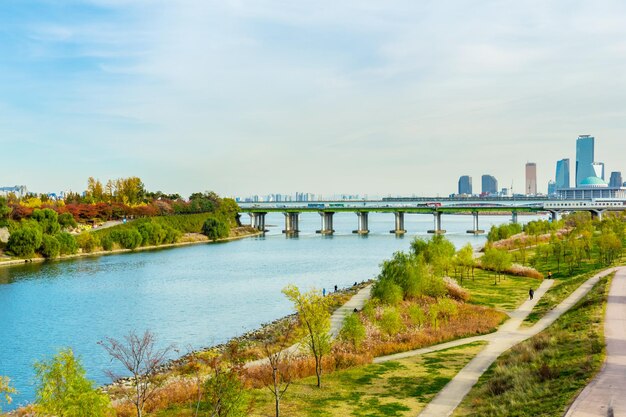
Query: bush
{"x":417,"y":316}
{"x":128,"y":238}
{"x":25,"y":241}
{"x":390,"y":322}
{"x":48,"y":220}
{"x":87,"y":242}
{"x":107,"y":243}
{"x":50,"y":247}
{"x":67,"y":242}
{"x":66,"y":220}
{"x":432,"y":286}
{"x":353,"y":330}
{"x":387,"y":292}
{"x":215,"y":229}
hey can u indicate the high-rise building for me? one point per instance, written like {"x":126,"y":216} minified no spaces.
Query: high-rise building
{"x":551,"y":187}
{"x":465,"y":185}
{"x":489,"y":184}
{"x":531,"y":178}
{"x":584,"y":158}
{"x":562,"y":173}
{"x":616,"y":179}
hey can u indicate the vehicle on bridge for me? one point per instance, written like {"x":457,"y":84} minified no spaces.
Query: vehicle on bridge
{"x":316,"y":205}
{"x":582,"y":204}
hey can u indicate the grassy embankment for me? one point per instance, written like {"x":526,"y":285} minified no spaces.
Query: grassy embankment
{"x":541,"y":376}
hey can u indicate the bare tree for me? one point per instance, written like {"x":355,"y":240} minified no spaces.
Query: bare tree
{"x":278,"y":375}
{"x":139,"y":356}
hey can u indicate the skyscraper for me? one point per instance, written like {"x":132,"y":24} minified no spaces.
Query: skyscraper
{"x":562,"y":174}
{"x":531,"y":178}
{"x":489,"y":184}
{"x":584,"y":158}
{"x":616,"y":179}
{"x":465,"y":185}
{"x":551,"y":187}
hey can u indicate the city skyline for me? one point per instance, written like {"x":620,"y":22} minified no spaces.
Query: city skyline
{"x":328,"y":98}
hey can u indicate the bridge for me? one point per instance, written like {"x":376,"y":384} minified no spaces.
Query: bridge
{"x":326,"y":210}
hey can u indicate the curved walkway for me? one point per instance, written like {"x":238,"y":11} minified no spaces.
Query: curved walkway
{"x":606,"y":394}
{"x":506,"y":337}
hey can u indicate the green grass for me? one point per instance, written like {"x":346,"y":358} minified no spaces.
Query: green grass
{"x":397,"y":388}
{"x":508,"y":294}
{"x":542,"y":376}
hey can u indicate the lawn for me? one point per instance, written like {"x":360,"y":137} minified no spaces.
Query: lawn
{"x":397,"y":388}
{"x":543,"y":375}
{"x":508,"y":294}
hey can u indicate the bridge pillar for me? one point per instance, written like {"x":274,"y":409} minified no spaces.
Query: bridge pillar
{"x":554,"y":215}
{"x":437,"y":230}
{"x":363,"y":228}
{"x":327,"y":223}
{"x":475,"y":230}
{"x":399,"y":229}
{"x":514,"y":217}
{"x":292,"y":221}
{"x":257,"y":220}
{"x":596,"y":214}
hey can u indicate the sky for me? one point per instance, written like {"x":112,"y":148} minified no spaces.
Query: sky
{"x":356,"y":96}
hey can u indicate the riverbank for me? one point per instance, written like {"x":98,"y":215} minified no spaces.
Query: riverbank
{"x":186,"y":240}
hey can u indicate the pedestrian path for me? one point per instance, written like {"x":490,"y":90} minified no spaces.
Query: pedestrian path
{"x":606,"y":394}
{"x":506,"y":337}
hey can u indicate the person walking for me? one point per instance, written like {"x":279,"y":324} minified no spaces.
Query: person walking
{"x":323,"y":292}
{"x":531,"y":293}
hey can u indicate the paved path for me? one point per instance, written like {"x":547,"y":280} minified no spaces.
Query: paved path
{"x":608,"y":389}
{"x":506,"y":337}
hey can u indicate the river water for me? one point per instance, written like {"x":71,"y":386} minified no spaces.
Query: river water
{"x":192,"y":296}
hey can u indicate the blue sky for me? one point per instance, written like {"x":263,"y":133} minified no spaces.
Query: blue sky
{"x":242,"y":97}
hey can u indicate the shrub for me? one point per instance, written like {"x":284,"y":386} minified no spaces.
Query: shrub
{"x":66,"y":220}
{"x":353,"y":330}
{"x":390,"y":322}
{"x":67,"y":242}
{"x":50,"y":247}
{"x":48,"y":220}
{"x":25,"y":241}
{"x":447,"y":309}
{"x":455,"y":290}
{"x":107,"y":243}
{"x":215,"y":229}
{"x":432,"y":286}
{"x":128,"y":238}
{"x":87,"y":242}
{"x":387,"y":292}
{"x":417,"y":316}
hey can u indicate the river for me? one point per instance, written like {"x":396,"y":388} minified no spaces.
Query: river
{"x":192,"y":296}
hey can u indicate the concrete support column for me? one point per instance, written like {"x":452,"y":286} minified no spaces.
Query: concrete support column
{"x":363,"y":227}
{"x":399,"y":229}
{"x":327,"y":223}
{"x":475,"y":230}
{"x":291,"y":223}
{"x":554,"y":216}
{"x":596,"y":214}
{"x":258,"y":221}
{"x":514,"y":217}
{"x":437,"y":222}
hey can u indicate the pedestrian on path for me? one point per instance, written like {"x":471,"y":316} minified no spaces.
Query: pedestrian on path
{"x":531,"y":293}
{"x":323,"y":292}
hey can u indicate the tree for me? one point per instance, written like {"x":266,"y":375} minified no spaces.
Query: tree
{"x":215,"y":229}
{"x":66,"y":220}
{"x":25,"y":241}
{"x":5,"y":211}
{"x":279,"y":361}
{"x":465,"y":259}
{"x":50,"y":247}
{"x":353,"y":331}
{"x":225,"y":393}
{"x":5,"y":391}
{"x":139,"y":356}
{"x":314,"y":316}
{"x":63,"y":390}
{"x":48,"y":220}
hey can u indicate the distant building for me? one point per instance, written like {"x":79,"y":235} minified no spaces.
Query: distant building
{"x":531,"y":178}
{"x":562,"y":174}
{"x":489,"y":184}
{"x":585,"y":157}
{"x":19,"y":190}
{"x":465,"y":185}
{"x":616,"y":179}
{"x":598,"y":169}
{"x":552,"y":188}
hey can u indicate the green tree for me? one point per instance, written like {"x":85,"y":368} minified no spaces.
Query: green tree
{"x":24,"y":241}
{"x":87,"y":242}
{"x":465,"y":259}
{"x":48,"y":220}
{"x":67,"y":242}
{"x":313,"y":313}
{"x":5,"y":211}
{"x":50,"y":247}
{"x":353,"y":331}
{"x":63,"y":390}
{"x":66,"y":220}
{"x":224,"y":393}
{"x":6,"y":390}
{"x":215,"y":229}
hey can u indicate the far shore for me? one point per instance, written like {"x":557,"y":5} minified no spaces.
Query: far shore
{"x":198,"y":239}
